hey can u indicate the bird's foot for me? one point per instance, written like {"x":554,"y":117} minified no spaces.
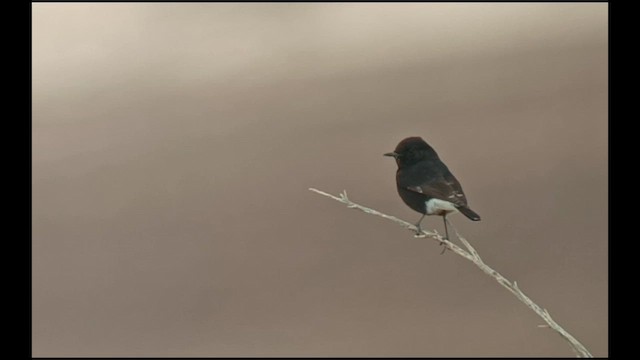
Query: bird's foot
{"x":446,"y":247}
{"x":443,"y":249}
{"x":419,"y":233}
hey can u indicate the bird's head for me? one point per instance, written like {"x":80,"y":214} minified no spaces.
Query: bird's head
{"x":412,"y":150}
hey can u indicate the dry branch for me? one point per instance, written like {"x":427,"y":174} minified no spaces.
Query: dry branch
{"x":472,"y":255}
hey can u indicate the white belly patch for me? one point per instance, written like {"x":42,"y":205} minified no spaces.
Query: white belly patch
{"x":435,"y":206}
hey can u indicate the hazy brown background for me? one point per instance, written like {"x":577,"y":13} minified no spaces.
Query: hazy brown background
{"x":173,"y":145}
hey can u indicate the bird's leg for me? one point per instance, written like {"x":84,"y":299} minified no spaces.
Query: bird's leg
{"x":419,"y":229}
{"x":446,"y":232}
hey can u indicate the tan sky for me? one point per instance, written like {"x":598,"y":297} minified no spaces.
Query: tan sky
{"x":173,"y":145}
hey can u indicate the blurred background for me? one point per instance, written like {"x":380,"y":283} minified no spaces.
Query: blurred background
{"x":174,"y":145}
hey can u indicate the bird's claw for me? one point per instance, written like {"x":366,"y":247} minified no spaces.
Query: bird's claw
{"x":419,"y":233}
{"x":446,"y":247}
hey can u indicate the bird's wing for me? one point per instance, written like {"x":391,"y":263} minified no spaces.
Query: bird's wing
{"x":445,"y":187}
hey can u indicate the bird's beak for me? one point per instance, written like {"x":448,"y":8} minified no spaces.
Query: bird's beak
{"x":393,"y":154}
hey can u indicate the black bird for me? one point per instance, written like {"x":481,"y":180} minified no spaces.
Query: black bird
{"x":426,"y":184}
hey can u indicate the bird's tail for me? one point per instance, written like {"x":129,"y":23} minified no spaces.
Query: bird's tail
{"x":469,"y":213}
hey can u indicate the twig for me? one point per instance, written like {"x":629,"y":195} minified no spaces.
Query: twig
{"x":472,"y":255}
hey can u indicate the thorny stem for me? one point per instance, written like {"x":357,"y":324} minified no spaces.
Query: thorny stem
{"x":472,"y":255}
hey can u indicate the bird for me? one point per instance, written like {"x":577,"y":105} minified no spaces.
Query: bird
{"x":425,"y":183}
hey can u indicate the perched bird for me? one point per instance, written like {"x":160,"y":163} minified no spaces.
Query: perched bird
{"x":425,"y":183}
